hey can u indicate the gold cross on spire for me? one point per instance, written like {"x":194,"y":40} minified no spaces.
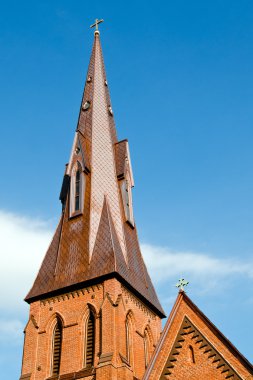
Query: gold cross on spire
{"x":97,"y":21}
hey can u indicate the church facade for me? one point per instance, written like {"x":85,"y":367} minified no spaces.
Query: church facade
{"x":94,"y":313}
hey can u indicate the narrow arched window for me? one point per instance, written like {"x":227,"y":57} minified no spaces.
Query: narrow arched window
{"x":90,"y":341}
{"x":77,"y":190}
{"x":146,"y":347}
{"x":128,"y":342}
{"x":57,"y":345}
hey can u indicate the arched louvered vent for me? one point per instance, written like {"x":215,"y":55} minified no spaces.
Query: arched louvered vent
{"x":146,"y":348}
{"x":127,"y":341}
{"x":90,"y":341}
{"x":77,"y":188}
{"x":57,"y":343}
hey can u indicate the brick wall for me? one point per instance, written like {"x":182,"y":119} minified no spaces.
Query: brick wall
{"x":111,"y":303}
{"x":211,"y":357}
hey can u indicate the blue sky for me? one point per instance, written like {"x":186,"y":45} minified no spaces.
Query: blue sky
{"x":180,"y":77}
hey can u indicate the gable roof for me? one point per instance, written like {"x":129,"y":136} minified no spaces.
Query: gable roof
{"x":186,"y":319}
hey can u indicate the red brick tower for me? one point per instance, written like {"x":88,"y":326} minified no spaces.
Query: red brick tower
{"x":94,"y":312}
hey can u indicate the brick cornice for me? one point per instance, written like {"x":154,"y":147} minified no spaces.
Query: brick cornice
{"x":75,"y":375}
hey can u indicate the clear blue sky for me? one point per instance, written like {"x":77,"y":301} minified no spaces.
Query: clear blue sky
{"x":181,"y":83}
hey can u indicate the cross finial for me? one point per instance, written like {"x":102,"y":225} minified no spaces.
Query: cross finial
{"x":181,"y":284}
{"x":97,"y":21}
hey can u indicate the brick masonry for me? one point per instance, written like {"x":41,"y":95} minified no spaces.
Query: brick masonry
{"x":191,"y":347}
{"x":112,"y":302}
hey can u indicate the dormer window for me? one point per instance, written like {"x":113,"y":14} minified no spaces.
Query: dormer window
{"x":77,"y":190}
{"x":77,"y":193}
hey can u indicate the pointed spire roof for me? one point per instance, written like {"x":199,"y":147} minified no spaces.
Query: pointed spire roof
{"x":97,"y":243}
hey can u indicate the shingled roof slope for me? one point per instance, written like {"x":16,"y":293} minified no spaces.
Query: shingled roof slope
{"x":98,"y":242}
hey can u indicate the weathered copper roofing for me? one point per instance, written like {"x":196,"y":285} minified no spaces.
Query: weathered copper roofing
{"x":99,"y":242}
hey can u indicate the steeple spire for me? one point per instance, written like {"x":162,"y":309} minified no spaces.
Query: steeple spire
{"x":96,"y":236}
{"x":104,"y":182}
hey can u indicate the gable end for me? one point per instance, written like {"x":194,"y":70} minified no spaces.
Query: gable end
{"x":199,"y":342}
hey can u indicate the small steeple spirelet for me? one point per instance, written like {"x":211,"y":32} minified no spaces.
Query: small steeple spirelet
{"x":95,"y":25}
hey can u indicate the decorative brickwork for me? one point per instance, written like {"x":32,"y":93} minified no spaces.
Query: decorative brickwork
{"x":192,"y":348}
{"x":110,"y":307}
{"x":189,"y":337}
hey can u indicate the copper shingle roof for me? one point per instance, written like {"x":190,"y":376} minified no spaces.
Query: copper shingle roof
{"x":99,"y":242}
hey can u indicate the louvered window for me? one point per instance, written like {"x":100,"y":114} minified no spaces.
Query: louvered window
{"x":127,"y":341}
{"x":90,"y":341}
{"x":57,"y":343}
{"x":77,"y":192}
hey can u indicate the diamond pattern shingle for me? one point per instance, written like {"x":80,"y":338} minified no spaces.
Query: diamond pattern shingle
{"x":98,"y":242}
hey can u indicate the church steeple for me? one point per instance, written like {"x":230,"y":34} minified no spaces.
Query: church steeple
{"x":96,"y":237}
{"x":96,"y":125}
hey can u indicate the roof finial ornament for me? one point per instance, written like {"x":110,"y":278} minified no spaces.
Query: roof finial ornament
{"x":97,"y":21}
{"x":182,"y":283}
